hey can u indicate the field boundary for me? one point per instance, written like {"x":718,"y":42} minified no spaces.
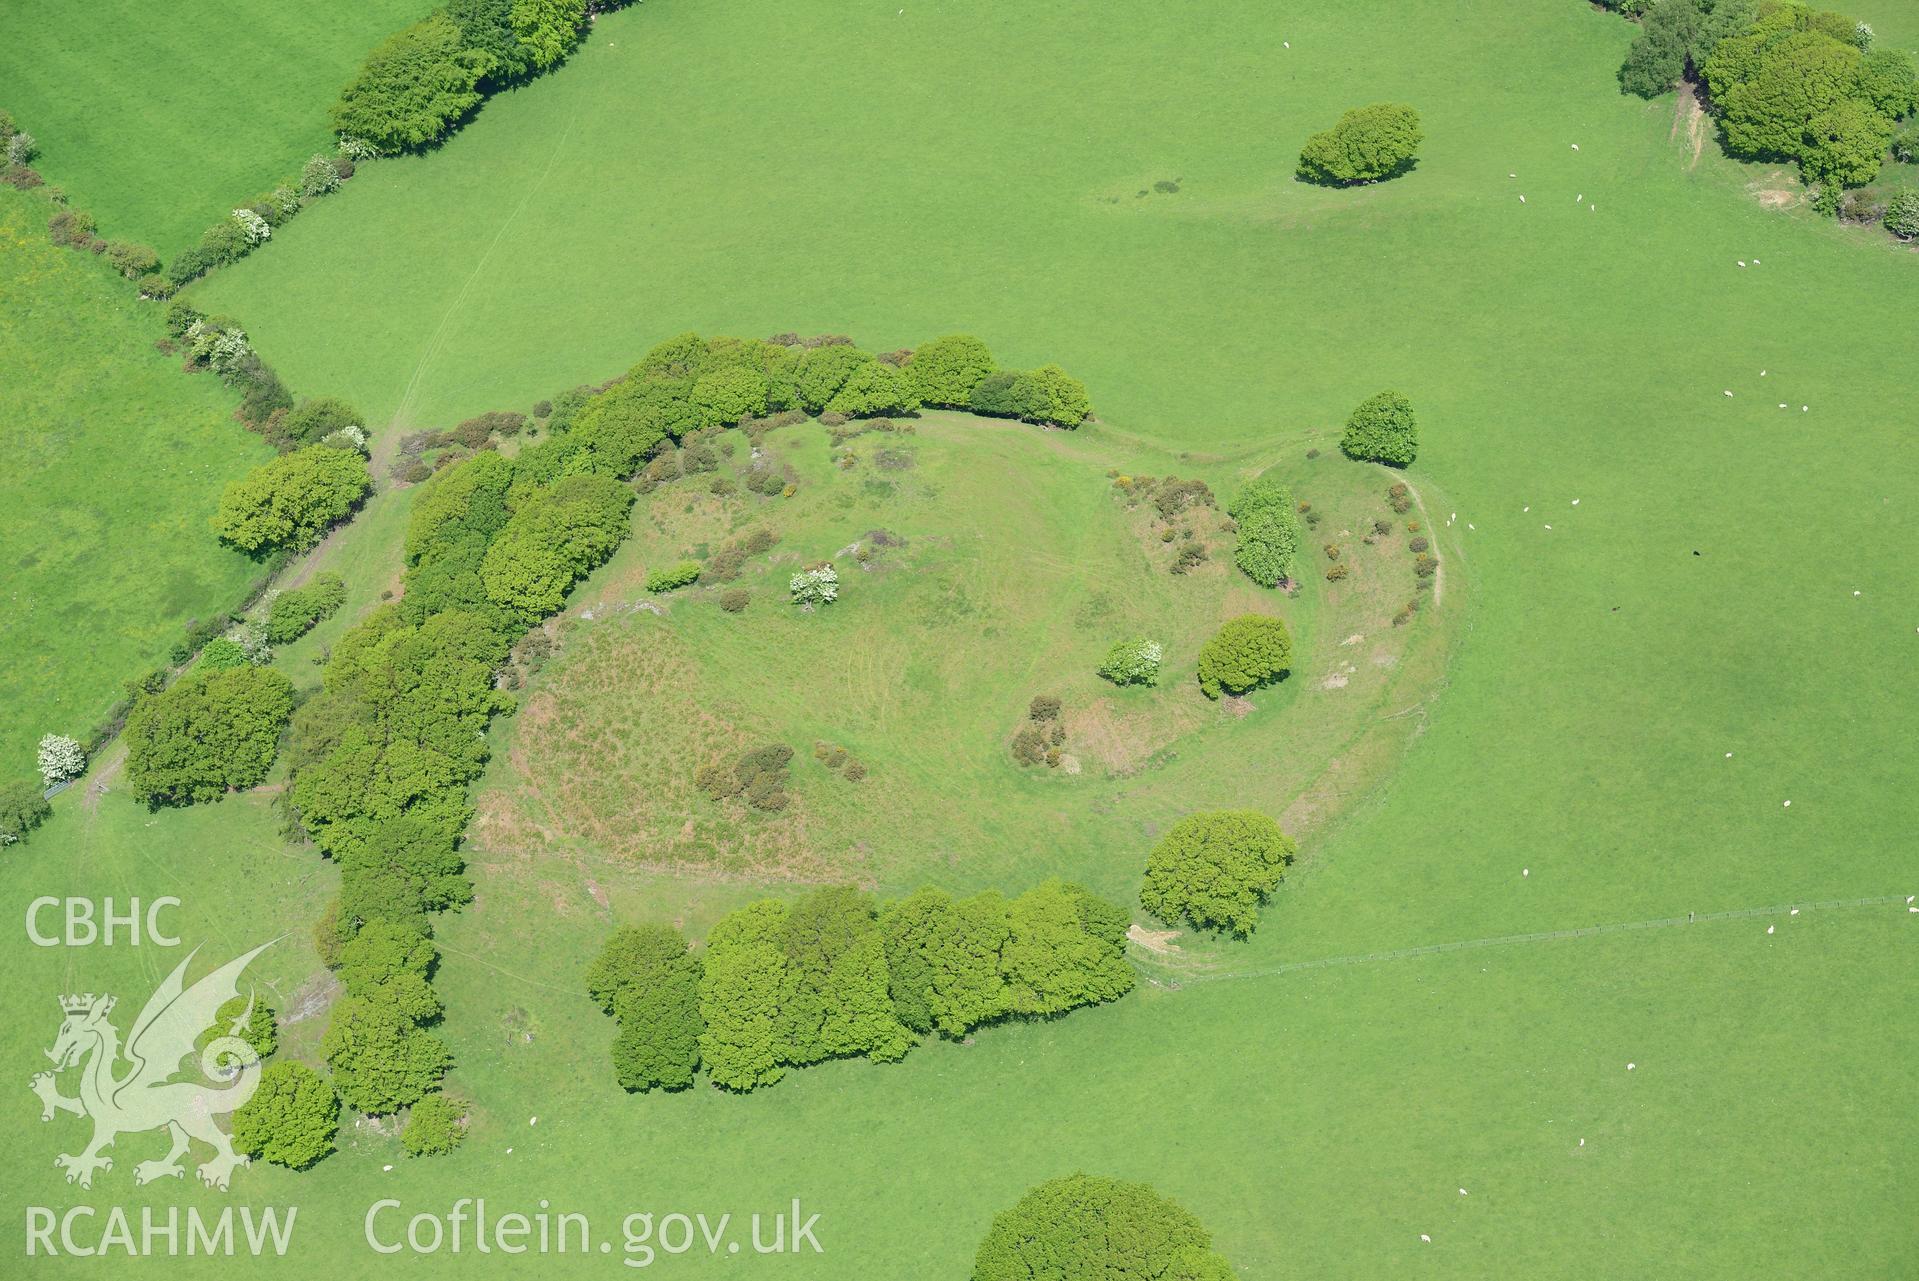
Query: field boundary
{"x":1503,"y":940}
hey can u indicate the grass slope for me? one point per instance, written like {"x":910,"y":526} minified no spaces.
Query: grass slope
{"x":974,"y":167}
{"x":116,"y":460}
{"x":158,"y":119}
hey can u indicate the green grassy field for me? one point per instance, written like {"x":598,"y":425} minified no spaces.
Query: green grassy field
{"x":117,"y":460}
{"x":158,"y":119}
{"x":1718,"y":626}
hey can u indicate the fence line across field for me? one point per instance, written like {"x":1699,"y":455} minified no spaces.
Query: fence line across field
{"x":1174,"y":978}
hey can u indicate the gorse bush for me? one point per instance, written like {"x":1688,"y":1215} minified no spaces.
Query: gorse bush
{"x":1368,"y":144}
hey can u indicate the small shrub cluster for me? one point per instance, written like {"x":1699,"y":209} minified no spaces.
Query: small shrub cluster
{"x":434,"y":1126}
{"x":759,"y":777}
{"x":840,"y":761}
{"x":297,"y":611}
{"x":673,"y":577}
{"x":252,"y":224}
{"x":220,"y":345}
{"x":1042,"y":737}
{"x":1399,"y":497}
{"x":815,"y":587}
{"x":834,"y":975}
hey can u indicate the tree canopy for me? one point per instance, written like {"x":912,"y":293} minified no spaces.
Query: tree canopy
{"x":946,"y":371}
{"x":1244,"y":654}
{"x":1367,"y":144}
{"x":205,"y":734}
{"x":415,"y":87}
{"x":1382,"y":430}
{"x":291,"y":1119}
{"x":293,"y":499}
{"x":1087,"y":1228}
{"x":1215,"y":868}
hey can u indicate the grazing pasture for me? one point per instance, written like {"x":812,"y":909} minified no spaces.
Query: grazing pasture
{"x":115,"y":461}
{"x":1679,"y":610}
{"x":158,"y":119}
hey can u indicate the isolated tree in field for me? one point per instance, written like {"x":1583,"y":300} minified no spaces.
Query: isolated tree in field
{"x":382,"y":1060}
{"x":946,"y":371}
{"x":1087,"y":1228}
{"x":1382,"y":430}
{"x":647,"y":979}
{"x":1133,"y":662}
{"x":291,"y":1119}
{"x":435,"y":1126}
{"x":415,"y":86}
{"x":1215,"y":868}
{"x":1368,"y":143}
{"x":1269,"y":531}
{"x":744,"y":988}
{"x":1246,"y":653}
{"x":207,"y":733}
{"x":292,"y":500}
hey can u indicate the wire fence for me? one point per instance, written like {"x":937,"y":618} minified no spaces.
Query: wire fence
{"x":1176,"y":977}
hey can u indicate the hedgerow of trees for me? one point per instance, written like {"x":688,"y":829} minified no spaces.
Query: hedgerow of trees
{"x":381,"y":757}
{"x":1366,"y":145}
{"x":1247,"y":652}
{"x":1087,"y":1228}
{"x":296,"y":611}
{"x":208,"y":733}
{"x":834,"y":975}
{"x":1215,"y":868}
{"x":292,"y":500}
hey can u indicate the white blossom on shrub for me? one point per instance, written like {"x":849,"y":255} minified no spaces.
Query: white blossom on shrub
{"x":20,"y":148}
{"x":256,"y":228}
{"x":253,"y":643}
{"x":357,"y":149}
{"x":1133,"y":662}
{"x":818,"y":586}
{"x":318,"y":176}
{"x":226,"y":352}
{"x":348,"y":437}
{"x":61,"y":758}
{"x":1862,"y":35}
{"x":286,"y":200}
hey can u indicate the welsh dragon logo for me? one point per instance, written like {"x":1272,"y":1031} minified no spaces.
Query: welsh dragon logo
{"x":145,"y":1096}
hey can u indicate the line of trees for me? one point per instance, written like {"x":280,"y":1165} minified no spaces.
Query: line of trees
{"x":833,"y":974}
{"x":382,"y":756}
